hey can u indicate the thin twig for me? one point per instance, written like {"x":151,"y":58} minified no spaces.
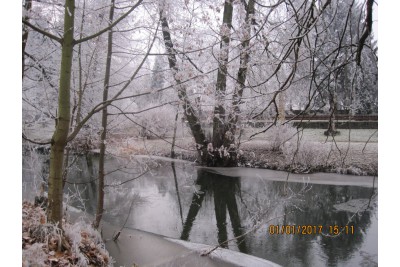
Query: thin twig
{"x":124,"y":182}
{"x":35,"y":142}
{"x":206,"y":253}
{"x":366,"y":143}
{"x":123,"y":226}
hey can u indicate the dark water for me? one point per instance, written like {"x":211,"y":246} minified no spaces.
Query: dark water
{"x":208,"y":206}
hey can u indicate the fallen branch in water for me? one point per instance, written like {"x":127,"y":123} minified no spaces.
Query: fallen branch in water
{"x":206,"y":253}
{"x":123,"y":226}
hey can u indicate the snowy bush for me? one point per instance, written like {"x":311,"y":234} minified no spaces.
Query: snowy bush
{"x":81,"y":244}
{"x":34,"y":255}
{"x":351,"y":170}
{"x":85,"y":239}
{"x":157,"y":122}
{"x":280,"y":134}
{"x":305,"y":155}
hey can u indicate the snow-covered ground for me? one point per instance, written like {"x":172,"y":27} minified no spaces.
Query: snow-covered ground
{"x":351,"y":152}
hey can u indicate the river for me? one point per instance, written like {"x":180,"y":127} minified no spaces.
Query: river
{"x":327,"y":219}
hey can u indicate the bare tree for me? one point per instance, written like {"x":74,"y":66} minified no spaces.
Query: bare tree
{"x":221,"y":150}
{"x":100,"y":194}
{"x":60,"y":137}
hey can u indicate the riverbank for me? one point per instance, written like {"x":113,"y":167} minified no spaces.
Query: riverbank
{"x":352,"y":152}
{"x":43,"y":244}
{"x":81,"y":245}
{"x":280,"y":148}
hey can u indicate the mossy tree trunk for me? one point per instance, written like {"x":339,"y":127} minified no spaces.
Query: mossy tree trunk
{"x":59,"y":139}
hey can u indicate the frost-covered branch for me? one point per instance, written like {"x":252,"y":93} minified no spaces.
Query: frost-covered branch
{"x":105,"y":104}
{"x":45,"y":33}
{"x":110,"y":26}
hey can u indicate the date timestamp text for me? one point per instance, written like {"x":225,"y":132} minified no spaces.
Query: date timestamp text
{"x":310,"y":229}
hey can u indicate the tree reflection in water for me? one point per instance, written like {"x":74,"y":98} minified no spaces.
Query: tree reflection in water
{"x":250,"y":201}
{"x":224,"y":190}
{"x":318,"y":209}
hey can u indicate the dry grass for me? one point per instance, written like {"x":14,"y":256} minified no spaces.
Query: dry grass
{"x":308,"y":150}
{"x":282,"y":149}
{"x":44,"y":244}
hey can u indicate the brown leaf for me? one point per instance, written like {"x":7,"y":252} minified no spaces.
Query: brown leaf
{"x":59,"y":254}
{"x":84,"y":235}
{"x":42,"y":219}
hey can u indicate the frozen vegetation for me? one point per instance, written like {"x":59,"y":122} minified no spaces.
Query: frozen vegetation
{"x":285,"y":148}
{"x":44,"y":244}
{"x":354,"y":151}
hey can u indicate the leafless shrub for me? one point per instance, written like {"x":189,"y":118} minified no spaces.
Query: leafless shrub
{"x":87,"y":244}
{"x":305,"y":155}
{"x":350,"y":170}
{"x":279,"y":135}
{"x":157,"y":122}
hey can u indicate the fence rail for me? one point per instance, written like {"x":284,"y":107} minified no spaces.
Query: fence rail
{"x":338,"y":117}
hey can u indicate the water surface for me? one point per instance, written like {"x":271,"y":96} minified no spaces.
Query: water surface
{"x":212,"y":205}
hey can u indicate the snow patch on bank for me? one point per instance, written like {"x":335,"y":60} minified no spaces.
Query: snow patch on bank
{"x":234,"y":257}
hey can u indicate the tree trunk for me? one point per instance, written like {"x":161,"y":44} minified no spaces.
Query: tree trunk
{"x":220,"y":152}
{"x":100,"y":195}
{"x":224,"y":135}
{"x":174,"y":135}
{"x":59,"y":139}
{"x":80,"y":74}
{"x":27,"y":7}
{"x":242,"y":73}
{"x":281,"y":106}
{"x":219,"y":127}
{"x":332,"y":110}
{"x":193,"y":120}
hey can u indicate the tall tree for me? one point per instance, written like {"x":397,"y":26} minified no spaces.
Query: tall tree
{"x":219,"y":127}
{"x":61,"y":134}
{"x":221,"y":150}
{"x":100,"y":194}
{"x":59,"y":139}
{"x":240,"y":85}
{"x":193,"y":120}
